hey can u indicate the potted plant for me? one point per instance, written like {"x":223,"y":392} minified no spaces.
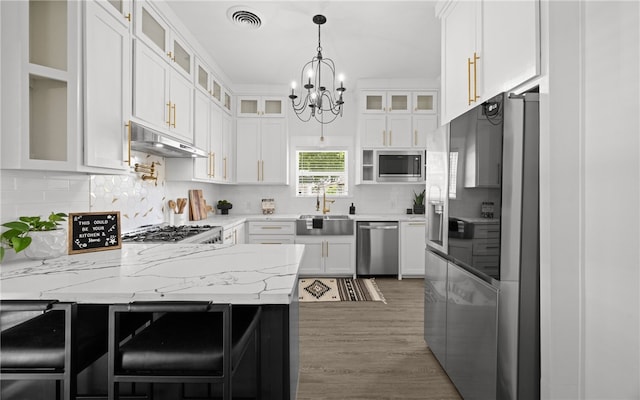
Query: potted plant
{"x":39,"y":238}
{"x":224,"y":206}
{"x":418,"y":202}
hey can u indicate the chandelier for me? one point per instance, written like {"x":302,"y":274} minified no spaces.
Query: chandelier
{"x":319,"y":98}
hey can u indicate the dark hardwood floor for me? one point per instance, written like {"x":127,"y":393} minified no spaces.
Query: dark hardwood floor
{"x":370,"y":350}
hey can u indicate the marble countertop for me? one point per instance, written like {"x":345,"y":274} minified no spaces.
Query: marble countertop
{"x":239,"y":274}
{"x":227,"y":221}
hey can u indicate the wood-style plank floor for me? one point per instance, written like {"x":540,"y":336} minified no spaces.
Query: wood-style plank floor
{"x":370,"y":350}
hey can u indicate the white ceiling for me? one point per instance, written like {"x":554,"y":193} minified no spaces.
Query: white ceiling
{"x":365,"y":39}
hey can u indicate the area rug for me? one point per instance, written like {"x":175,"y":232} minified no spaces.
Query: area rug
{"x":338,"y":289}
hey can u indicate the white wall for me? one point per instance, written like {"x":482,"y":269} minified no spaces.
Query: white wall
{"x":590,"y":200}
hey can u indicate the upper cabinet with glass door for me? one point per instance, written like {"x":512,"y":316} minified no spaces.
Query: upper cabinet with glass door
{"x":260,"y":106}
{"x":40,"y":85}
{"x":120,"y":9}
{"x":156,"y":32}
{"x":387,"y":102}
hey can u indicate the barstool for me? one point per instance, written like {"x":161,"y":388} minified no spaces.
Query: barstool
{"x":189,"y":342}
{"x":57,"y":344}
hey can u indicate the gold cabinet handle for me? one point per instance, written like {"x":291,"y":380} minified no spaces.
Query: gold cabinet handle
{"x":327,"y":249}
{"x":258,"y":171}
{"x":169,"y":113}
{"x":262,"y":169}
{"x":213,"y":164}
{"x":224,"y":161}
{"x":469,"y":81}
{"x":390,"y":138}
{"x":475,"y":76}
{"x":173,"y":106}
{"x":475,"y":96}
{"x":128,"y":17}
{"x":128,"y":125}
{"x":171,"y":57}
{"x":271,"y":227}
{"x":415,"y":137}
{"x":209,"y":172}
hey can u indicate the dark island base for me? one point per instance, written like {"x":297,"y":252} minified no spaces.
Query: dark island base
{"x":280,"y":354}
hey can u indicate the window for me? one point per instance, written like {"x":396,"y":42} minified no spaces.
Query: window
{"x":326,"y":169}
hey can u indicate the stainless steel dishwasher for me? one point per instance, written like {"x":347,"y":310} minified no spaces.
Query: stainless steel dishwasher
{"x":377,"y":248}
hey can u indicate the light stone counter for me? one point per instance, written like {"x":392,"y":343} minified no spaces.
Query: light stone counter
{"x":227,"y":221}
{"x":240,"y":274}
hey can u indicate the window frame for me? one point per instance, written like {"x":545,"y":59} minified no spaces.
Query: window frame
{"x":344,"y":174}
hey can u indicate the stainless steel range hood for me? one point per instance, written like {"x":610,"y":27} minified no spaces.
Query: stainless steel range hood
{"x":150,"y":141}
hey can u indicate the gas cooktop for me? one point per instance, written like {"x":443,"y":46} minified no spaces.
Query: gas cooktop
{"x":182,"y":233}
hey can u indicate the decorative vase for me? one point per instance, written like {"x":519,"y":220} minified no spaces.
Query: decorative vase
{"x":418,"y":208}
{"x":47,"y":244}
{"x":224,"y":208}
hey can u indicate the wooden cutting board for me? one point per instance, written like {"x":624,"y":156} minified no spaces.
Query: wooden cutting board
{"x":195,"y":198}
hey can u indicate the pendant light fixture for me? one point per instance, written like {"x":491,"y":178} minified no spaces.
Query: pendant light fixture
{"x":316,"y":97}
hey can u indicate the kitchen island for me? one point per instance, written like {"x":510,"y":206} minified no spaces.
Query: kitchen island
{"x":240,"y":274}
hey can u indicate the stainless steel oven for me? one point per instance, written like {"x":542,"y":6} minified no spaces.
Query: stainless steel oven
{"x":400,"y":166}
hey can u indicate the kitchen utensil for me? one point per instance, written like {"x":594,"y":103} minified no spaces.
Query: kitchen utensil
{"x":173,"y":206}
{"x":182,"y":203}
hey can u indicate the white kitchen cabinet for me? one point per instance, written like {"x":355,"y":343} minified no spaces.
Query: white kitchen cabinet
{"x":271,"y":232}
{"x":327,"y":255}
{"x":107,"y":86}
{"x":386,"y":102}
{"x":120,"y":9}
{"x":41,"y":100}
{"x":478,"y":59}
{"x":424,"y":102}
{"x":262,"y":106}
{"x":234,"y":234}
{"x":162,"y":97}
{"x":386,"y":120}
{"x":162,"y":39}
{"x":262,"y":150}
{"x":423,"y":125}
{"x":386,"y":131}
{"x":412,"y":248}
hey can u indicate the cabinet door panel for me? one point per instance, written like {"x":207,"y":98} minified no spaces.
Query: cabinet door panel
{"x":423,"y":125}
{"x":311,"y":264}
{"x":339,"y":256}
{"x":459,"y":33}
{"x":412,"y":246}
{"x":202,"y":133}
{"x":150,"y":87}
{"x":374,"y":131}
{"x":399,"y":131}
{"x":107,"y":88}
{"x":216,"y":144}
{"x":273,"y":164}
{"x":181,"y":108}
{"x":248,"y":154}
{"x":511,"y":59}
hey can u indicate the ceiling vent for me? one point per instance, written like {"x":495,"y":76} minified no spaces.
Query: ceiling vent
{"x":244,"y":17}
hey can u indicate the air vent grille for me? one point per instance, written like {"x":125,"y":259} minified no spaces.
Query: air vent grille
{"x":244,"y":17}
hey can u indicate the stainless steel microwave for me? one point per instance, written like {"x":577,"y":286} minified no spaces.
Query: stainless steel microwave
{"x":400,"y":166}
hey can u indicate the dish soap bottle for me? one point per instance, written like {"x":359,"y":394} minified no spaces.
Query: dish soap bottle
{"x":352,"y":209}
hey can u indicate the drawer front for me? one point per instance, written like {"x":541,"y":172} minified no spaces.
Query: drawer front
{"x":486,"y":231}
{"x":486,"y":247}
{"x":272,"y":228}
{"x":271,"y":239}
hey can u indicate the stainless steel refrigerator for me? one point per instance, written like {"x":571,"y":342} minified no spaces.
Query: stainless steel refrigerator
{"x":482,"y":263}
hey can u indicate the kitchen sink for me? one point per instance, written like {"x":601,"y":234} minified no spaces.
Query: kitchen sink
{"x":324,"y":225}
